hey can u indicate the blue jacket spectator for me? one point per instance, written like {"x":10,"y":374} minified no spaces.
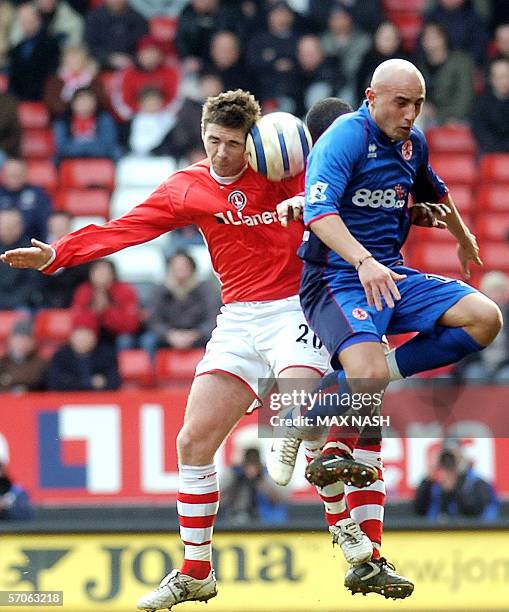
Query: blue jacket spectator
{"x":15,"y":503}
{"x":112,"y":32}
{"x":86,"y":132}
{"x":465,"y":27}
{"x":455,"y":491}
{"x":83,"y":364}
{"x":19,"y":289}
{"x":32,"y":202}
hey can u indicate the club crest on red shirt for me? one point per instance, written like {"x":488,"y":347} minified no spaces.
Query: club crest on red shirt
{"x":407,"y":150}
{"x":360,"y":314}
{"x":238,"y":200}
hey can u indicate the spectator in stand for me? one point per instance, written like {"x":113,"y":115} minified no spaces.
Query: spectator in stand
{"x":501,"y":46}
{"x":15,"y":503}
{"x":492,"y":364}
{"x":22,"y":368}
{"x":77,"y":70}
{"x":465,"y":28}
{"x":34,"y":58}
{"x":343,"y":41}
{"x":87,"y":131}
{"x":499,"y":12}
{"x":7,"y":14}
{"x":19,"y":289}
{"x":226,"y":61}
{"x":386,"y":45}
{"x":271,"y":56}
{"x":366,"y":15}
{"x":198,"y":22}
{"x":249,"y":494}
{"x":10,"y":129}
{"x":317,"y":77}
{"x":454,"y":490}
{"x":490,"y":121}
{"x":84,"y":364}
{"x":449,"y":79}
{"x":184,"y":141}
{"x":32,"y":202}
{"x":112,"y":32}
{"x":112,"y":304}
{"x":151,"y":125}
{"x":158,"y":8}
{"x":59,"y":20}
{"x":59,"y":288}
{"x":184,"y":310}
{"x":150,"y":71}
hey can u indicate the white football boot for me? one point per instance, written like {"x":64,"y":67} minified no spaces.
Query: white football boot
{"x":281,"y":459}
{"x":176,"y":588}
{"x":355,"y":544}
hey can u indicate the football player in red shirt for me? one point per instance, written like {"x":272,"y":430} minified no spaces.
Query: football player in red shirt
{"x":260,"y":332}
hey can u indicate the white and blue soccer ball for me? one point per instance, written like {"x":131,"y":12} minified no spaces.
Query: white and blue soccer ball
{"x":278,"y":145}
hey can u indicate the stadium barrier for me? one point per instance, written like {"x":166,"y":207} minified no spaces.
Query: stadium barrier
{"x":119,"y":447}
{"x":259,"y":572}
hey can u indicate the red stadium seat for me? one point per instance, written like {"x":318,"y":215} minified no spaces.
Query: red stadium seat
{"x":436,"y":258}
{"x":135,"y":368}
{"x":53,"y":326}
{"x":37,"y":143}
{"x":455,"y":167}
{"x":83,"y":173}
{"x":495,"y":168}
{"x":174,"y":365}
{"x":163,"y":29}
{"x":42,"y":172}
{"x":8,"y":319}
{"x":493,"y":197}
{"x":494,"y":226}
{"x":495,"y":256}
{"x":88,"y":202}
{"x":414,"y":6}
{"x":409,"y":25}
{"x":451,"y":139}
{"x":463,"y":197}
{"x":33,"y":115}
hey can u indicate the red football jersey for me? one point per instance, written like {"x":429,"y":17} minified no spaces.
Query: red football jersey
{"x":253,"y":255}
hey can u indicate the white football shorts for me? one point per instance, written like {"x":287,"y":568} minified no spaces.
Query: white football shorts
{"x":259,"y":340}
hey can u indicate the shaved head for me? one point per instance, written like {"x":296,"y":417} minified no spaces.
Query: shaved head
{"x":396,"y":70}
{"x":395,"y":97}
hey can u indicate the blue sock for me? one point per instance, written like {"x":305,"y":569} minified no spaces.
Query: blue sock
{"x":327,"y":397}
{"x":423,"y":352}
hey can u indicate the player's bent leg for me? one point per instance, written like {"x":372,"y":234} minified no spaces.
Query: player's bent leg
{"x":366,"y":372}
{"x":215,"y":404}
{"x":479,"y":317}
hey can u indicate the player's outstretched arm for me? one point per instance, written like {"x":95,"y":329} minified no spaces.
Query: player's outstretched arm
{"x":35,"y":257}
{"x":378,"y":281}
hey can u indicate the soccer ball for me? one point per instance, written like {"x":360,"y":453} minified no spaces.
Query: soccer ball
{"x":278,"y":145}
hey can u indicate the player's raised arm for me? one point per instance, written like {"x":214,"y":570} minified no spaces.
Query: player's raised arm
{"x":155,"y":216}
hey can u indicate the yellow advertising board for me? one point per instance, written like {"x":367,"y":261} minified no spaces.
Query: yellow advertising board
{"x":258,"y":572}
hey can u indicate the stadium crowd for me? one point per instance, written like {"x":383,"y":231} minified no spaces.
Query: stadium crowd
{"x":101,"y":100}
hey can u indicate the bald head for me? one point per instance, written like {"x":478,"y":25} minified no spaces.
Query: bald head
{"x":395,"y":97}
{"x":397,"y":70}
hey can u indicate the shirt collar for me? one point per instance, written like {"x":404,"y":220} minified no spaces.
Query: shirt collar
{"x":226,"y":180}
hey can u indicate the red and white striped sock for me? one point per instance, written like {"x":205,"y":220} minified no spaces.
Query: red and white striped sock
{"x":340,"y":440}
{"x":367,"y":505}
{"x":197,"y":506}
{"x":333,"y":495}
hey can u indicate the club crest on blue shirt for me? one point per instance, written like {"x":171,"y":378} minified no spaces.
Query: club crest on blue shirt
{"x":238,"y":200}
{"x":360,"y":314}
{"x":407,"y":150}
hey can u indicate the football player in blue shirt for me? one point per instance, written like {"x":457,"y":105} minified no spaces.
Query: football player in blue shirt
{"x":355,"y":287}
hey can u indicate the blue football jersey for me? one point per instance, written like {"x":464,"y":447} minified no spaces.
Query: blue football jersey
{"x":356,"y":171}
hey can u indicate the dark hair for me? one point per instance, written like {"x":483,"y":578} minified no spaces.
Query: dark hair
{"x":185,"y":254}
{"x":237,"y":109}
{"x":323,"y":114}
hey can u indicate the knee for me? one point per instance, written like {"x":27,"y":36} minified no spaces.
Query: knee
{"x":192,"y":448}
{"x":368,"y":376}
{"x":487,"y":322}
